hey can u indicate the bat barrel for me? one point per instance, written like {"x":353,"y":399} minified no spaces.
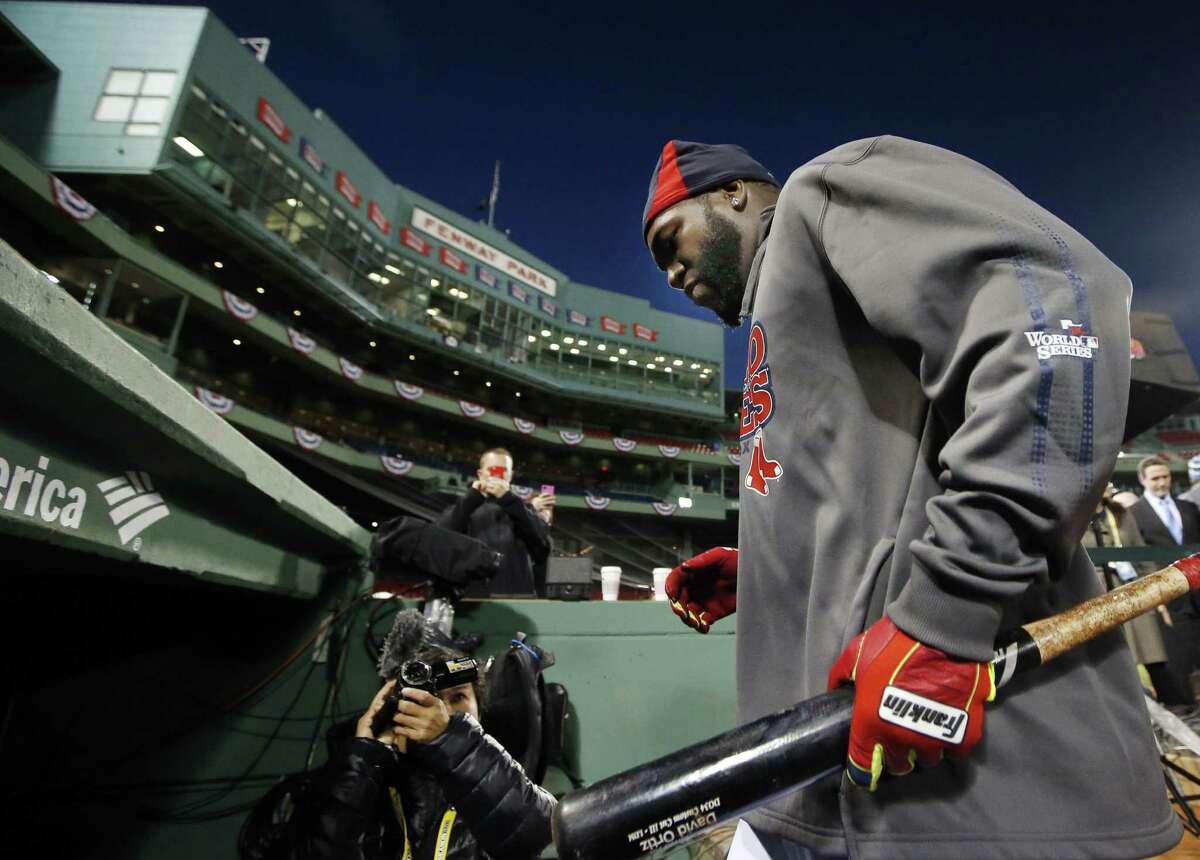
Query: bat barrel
{"x":677,"y":797}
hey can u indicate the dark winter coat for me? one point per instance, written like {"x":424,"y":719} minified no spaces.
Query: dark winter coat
{"x":376,"y":804}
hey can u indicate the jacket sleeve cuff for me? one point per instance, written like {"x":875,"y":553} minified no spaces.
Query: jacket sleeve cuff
{"x":445,"y":752}
{"x":373,"y":752}
{"x":960,"y":626}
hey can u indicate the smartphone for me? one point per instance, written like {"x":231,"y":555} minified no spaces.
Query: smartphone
{"x":496,"y":471}
{"x":547,"y":489}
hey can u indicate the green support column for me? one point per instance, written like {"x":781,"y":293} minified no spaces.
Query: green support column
{"x":173,"y":340}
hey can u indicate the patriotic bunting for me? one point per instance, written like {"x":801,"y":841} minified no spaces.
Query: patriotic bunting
{"x":471,"y":410}
{"x":350,"y":370}
{"x":570,"y":437}
{"x":408,"y":392}
{"x":306,"y":439}
{"x":301,"y":342}
{"x":523,"y":426}
{"x":624,"y":445}
{"x":70,"y":201}
{"x":240,"y":308}
{"x":664,"y":509}
{"x":395,"y":465}
{"x":735,"y":458}
{"x":596,"y":502}
{"x":669,"y":451}
{"x":218,"y":403}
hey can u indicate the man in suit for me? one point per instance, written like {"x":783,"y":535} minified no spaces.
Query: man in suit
{"x":1164,"y":521}
{"x":1193,"y":495}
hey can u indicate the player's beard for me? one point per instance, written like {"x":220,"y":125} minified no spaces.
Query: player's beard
{"x":719,"y":266}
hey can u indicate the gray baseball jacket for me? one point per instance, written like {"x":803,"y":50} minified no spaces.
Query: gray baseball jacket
{"x":935,"y":395}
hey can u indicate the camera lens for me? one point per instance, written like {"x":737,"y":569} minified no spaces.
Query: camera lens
{"x":414,"y":673}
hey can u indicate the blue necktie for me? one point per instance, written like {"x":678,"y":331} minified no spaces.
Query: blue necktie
{"x":1172,"y":520}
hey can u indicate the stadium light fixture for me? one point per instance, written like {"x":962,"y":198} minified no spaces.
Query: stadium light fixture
{"x":533,"y":338}
{"x":555,"y":347}
{"x":568,"y":339}
{"x":434,"y":282}
{"x":291,"y":201}
{"x":518,"y":394}
{"x":370,"y":343}
{"x":296,"y":312}
{"x":613,"y":358}
{"x":667,"y":369}
{"x":189,"y":147}
{"x":431,"y":311}
{"x":411,"y":357}
{"x":622,"y":350}
{"x":583,"y":343}
{"x":632,"y":362}
{"x":685,"y":502}
{"x":488,"y":383}
{"x":217,"y":264}
{"x":159,"y":228}
{"x":601,"y":347}
{"x":236,"y":342}
{"x":374,"y":524}
{"x":456,"y":373}
{"x":135,"y":285}
{"x":259,"y":290}
{"x":660,"y":358}
{"x":574,"y":350}
{"x":677,"y":362}
{"x":392,"y":269}
{"x":545,"y":332}
{"x":695,"y":366}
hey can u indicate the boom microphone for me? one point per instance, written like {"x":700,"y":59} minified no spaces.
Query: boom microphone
{"x":678,"y":797}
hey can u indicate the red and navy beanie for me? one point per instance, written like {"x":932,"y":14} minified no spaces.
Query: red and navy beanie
{"x":686,"y":169}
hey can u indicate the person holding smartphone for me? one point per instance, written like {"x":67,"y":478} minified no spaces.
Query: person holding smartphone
{"x":491,"y":513}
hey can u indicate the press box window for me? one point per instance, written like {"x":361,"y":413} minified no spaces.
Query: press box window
{"x":137,"y":97}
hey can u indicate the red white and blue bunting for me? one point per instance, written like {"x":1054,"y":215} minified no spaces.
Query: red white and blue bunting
{"x":301,"y":342}
{"x":218,"y":403}
{"x":624,"y":445}
{"x":471,"y":410}
{"x":69,"y":200}
{"x":570,"y":437}
{"x":669,"y":451}
{"x":664,"y":509}
{"x":735,"y":458}
{"x":350,"y":370}
{"x":395,"y":465}
{"x":523,"y":426}
{"x":596,"y":502}
{"x":522,"y":493}
{"x":307,"y":439}
{"x":408,"y":392}
{"x":240,"y":308}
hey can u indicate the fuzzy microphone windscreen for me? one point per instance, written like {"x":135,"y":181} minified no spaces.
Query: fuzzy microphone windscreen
{"x":408,"y":635}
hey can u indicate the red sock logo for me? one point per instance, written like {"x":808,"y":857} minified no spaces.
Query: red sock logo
{"x":762,"y":468}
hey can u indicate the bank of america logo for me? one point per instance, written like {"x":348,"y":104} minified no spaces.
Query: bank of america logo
{"x":133,"y":504}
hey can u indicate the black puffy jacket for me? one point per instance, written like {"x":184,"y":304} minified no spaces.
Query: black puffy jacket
{"x":373,"y":802}
{"x":510,"y":527}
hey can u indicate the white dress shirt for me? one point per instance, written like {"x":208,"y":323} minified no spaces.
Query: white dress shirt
{"x":1168,"y":512}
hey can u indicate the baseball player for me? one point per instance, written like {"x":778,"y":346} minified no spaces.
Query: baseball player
{"x":934,"y":398}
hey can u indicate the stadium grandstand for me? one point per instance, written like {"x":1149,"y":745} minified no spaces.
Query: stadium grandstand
{"x":370,"y":338}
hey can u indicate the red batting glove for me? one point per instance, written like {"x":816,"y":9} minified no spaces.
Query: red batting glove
{"x":912,"y":703}
{"x":703,"y":590}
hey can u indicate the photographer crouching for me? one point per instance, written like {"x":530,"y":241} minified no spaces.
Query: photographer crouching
{"x":421,"y":779}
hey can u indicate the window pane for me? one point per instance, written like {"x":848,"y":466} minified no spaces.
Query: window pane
{"x":114,"y":108}
{"x":159,"y":83}
{"x":123,"y":82}
{"x":150,"y":110}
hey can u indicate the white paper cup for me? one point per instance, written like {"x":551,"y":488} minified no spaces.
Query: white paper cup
{"x":610,"y":582}
{"x":660,"y":582}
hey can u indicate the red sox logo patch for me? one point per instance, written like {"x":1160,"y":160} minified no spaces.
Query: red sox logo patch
{"x":758,"y":406}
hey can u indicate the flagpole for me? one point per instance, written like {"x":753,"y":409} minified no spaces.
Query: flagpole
{"x":494,"y":195}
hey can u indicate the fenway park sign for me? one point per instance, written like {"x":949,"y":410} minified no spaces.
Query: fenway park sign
{"x":497,"y":259}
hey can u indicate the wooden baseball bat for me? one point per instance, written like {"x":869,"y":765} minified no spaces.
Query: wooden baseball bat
{"x":675,"y":798}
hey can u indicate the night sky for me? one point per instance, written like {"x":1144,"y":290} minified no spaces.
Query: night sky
{"x":1093,"y":110}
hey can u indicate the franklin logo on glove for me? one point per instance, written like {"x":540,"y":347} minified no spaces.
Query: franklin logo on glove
{"x":923,"y":715}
